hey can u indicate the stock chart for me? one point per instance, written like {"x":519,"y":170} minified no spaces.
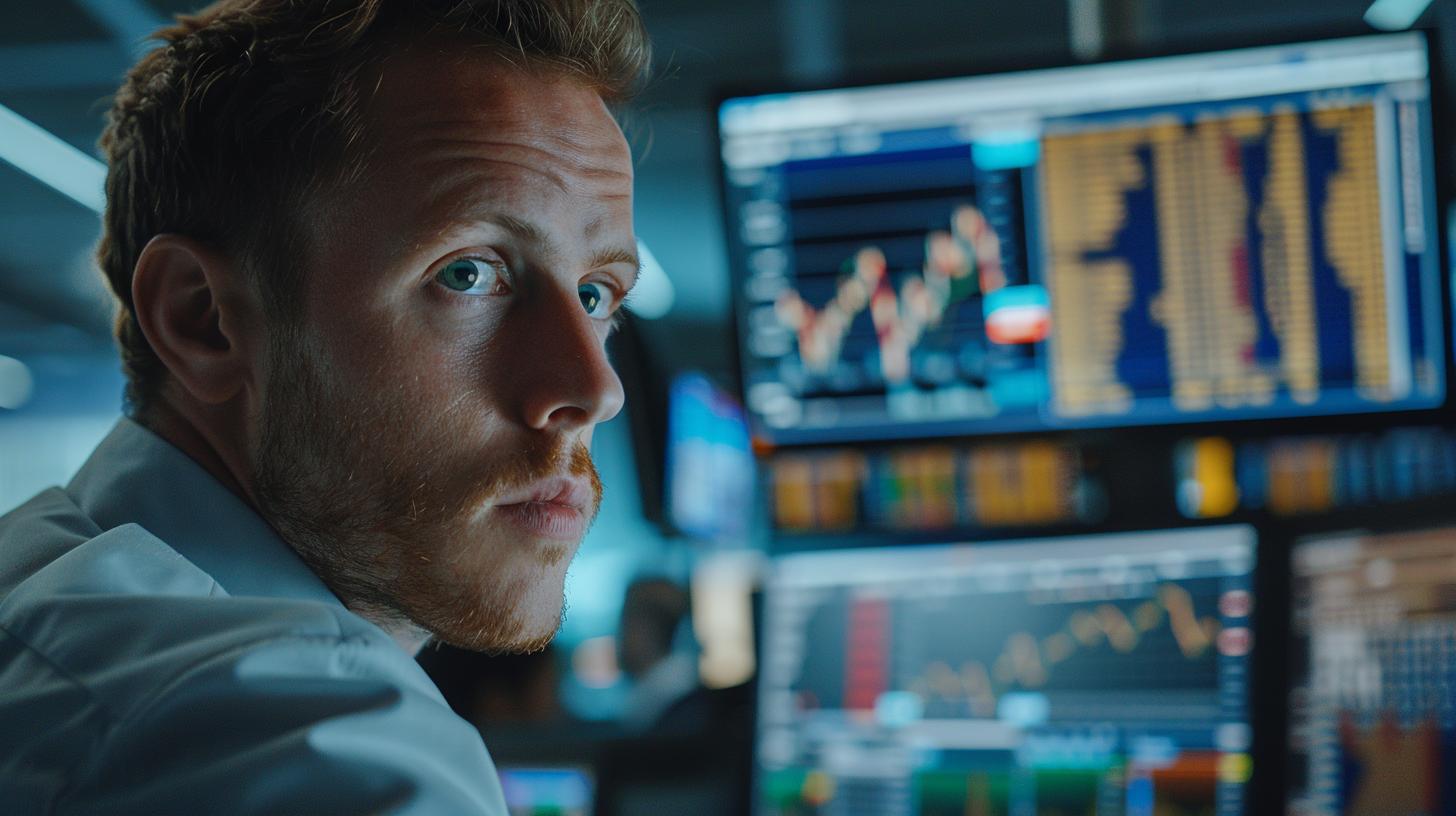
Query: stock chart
{"x":1029,"y":678}
{"x":910,"y":293}
{"x":1159,"y":640}
{"x":1080,"y":260}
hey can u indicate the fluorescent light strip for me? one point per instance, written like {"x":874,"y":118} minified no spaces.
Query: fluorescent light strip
{"x":35,"y":151}
{"x":1395,"y":15}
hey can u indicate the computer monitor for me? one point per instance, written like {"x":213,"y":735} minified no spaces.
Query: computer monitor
{"x":547,"y":790}
{"x":710,"y":465}
{"x":1373,"y":706}
{"x":1088,"y":675}
{"x":1235,"y":235}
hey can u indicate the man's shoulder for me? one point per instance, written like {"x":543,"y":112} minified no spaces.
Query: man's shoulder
{"x":37,"y":532}
{"x":121,"y":660}
{"x":53,"y":555}
{"x":121,"y":610}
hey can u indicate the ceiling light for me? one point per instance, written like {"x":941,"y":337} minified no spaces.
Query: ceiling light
{"x":36,"y":151}
{"x":653,"y":295}
{"x":1395,"y":15}
{"x":16,"y":383}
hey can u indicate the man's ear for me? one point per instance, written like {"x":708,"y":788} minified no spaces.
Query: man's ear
{"x":198,"y":314}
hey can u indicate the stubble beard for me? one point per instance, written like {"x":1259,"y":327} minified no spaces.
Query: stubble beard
{"x":388,"y":512}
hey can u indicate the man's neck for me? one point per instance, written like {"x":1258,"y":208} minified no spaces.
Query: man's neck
{"x":167,"y":422}
{"x":410,"y":638}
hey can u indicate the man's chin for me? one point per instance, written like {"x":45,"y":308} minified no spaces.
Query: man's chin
{"x":496,"y":640}
{"x":526,"y":640}
{"x":500,"y":615}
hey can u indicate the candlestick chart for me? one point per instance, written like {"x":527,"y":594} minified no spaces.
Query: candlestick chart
{"x":959,"y":263}
{"x":897,"y":260}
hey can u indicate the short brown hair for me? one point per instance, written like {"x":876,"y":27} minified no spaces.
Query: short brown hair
{"x":251,"y":109}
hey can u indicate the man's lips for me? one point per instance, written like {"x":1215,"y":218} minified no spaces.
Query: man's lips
{"x":564,"y":491}
{"x":556,"y":509}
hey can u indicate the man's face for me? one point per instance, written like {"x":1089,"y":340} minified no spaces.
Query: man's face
{"x":424,"y":432}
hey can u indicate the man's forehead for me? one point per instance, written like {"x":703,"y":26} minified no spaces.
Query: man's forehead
{"x":458,"y":142}
{"x":431,"y":107}
{"x":473,"y":199}
{"x":443,"y":80}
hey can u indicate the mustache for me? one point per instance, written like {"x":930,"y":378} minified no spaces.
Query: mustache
{"x":465,"y":491}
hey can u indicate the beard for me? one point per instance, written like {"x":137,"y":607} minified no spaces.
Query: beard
{"x":389,"y":505}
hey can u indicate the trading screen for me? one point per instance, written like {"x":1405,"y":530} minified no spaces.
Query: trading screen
{"x":1248,"y":234}
{"x":1097,"y":675}
{"x":1373,"y":722}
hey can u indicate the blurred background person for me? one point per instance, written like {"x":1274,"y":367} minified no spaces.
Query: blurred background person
{"x":653,"y":646}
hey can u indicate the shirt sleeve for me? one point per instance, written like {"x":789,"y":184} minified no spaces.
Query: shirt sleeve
{"x":300,"y":724}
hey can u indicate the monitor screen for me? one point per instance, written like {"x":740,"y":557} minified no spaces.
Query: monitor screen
{"x":710,"y":465}
{"x":1235,"y":235}
{"x":547,"y":791}
{"x":1099,"y":674}
{"x":1372,"y":717}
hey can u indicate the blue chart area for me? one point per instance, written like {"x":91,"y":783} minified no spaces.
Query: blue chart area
{"x":1255,"y":268}
{"x":1143,"y":365}
{"x":895,"y":257}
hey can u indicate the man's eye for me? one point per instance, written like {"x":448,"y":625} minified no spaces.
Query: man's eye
{"x":596,"y":299}
{"x":470,"y":276}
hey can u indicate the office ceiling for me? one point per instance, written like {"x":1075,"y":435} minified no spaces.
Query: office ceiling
{"x":60,"y":59}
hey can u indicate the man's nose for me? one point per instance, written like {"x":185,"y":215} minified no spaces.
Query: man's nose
{"x":566,"y":381}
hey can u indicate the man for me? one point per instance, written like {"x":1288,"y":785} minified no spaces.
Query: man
{"x":367,"y":253}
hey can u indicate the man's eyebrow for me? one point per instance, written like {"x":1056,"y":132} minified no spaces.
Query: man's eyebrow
{"x":523,"y":231}
{"x":619,"y":255}
{"x":527,"y":232}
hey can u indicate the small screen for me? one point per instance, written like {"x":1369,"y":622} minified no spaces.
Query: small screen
{"x":547,"y":791}
{"x":1244,"y":234}
{"x":710,"y":463}
{"x":1091,"y":675}
{"x":1373,"y":708}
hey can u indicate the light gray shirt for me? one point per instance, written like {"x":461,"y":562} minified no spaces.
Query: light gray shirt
{"x":163,"y":651}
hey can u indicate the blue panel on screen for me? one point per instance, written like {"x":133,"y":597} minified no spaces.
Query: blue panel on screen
{"x":1005,"y":155}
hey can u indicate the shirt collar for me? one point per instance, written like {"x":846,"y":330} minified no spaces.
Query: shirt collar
{"x":135,"y":476}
